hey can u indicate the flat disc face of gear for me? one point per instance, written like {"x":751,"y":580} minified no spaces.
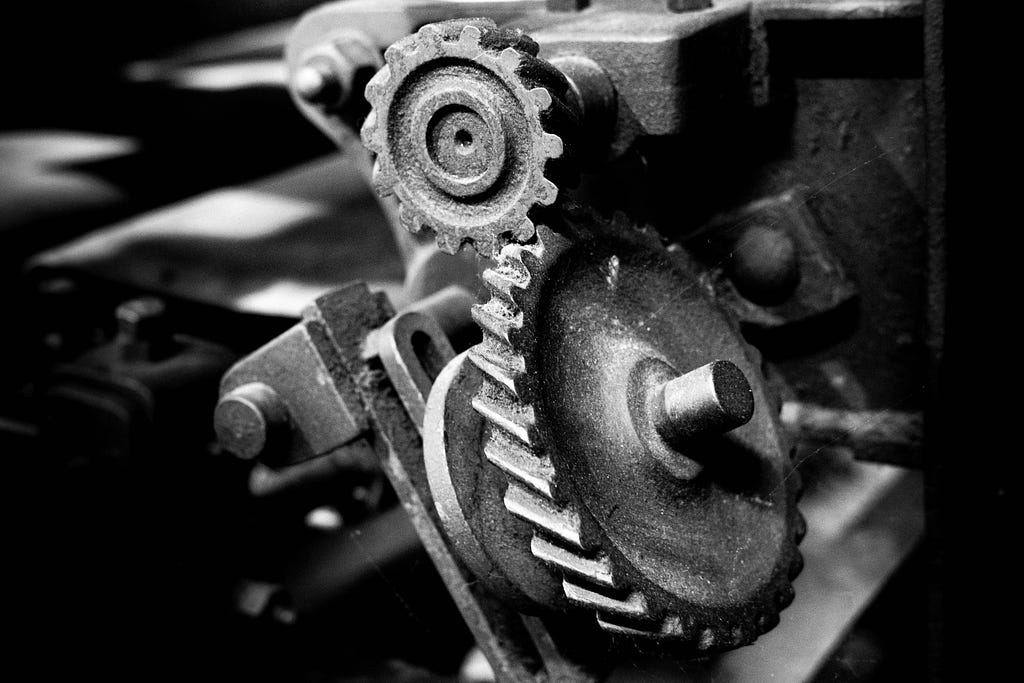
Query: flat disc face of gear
{"x":617,"y":321}
{"x":667,"y":521}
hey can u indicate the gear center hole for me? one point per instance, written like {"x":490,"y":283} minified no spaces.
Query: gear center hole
{"x":463,"y":141}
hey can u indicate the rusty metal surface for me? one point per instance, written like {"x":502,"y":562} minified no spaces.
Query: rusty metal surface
{"x":322,"y":412}
{"x":499,"y":630}
{"x":580,"y":328}
{"x":771,"y":263}
{"x":468,"y":130}
{"x":863,"y":520}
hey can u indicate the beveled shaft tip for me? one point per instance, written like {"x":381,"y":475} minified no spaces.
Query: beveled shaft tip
{"x":711,"y":399}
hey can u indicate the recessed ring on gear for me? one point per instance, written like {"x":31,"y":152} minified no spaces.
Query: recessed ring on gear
{"x":464,"y":123}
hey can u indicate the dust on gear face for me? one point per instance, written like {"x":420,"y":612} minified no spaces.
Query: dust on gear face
{"x":460,"y":125}
{"x":692,"y":543}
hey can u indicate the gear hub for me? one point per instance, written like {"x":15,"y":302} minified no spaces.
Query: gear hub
{"x":465,"y":123}
{"x":646,"y":478}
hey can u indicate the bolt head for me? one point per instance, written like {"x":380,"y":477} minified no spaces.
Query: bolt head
{"x":765,"y":266}
{"x":248,"y":418}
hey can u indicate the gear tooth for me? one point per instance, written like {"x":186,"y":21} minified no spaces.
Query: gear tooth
{"x":511,"y":416}
{"x":382,"y":179}
{"x":563,"y":523}
{"x":470,"y":35}
{"x":707,"y":639}
{"x":767,"y":621}
{"x":505,"y":283}
{"x":524,"y":232}
{"x":541,"y":97}
{"x":431,"y":31}
{"x":669,"y":629}
{"x":398,"y":51}
{"x":596,"y":570}
{"x":515,"y":460}
{"x":409,"y":219}
{"x":552,"y":146}
{"x":487,"y":247}
{"x":377,"y":83}
{"x":799,"y":527}
{"x":547,"y":193}
{"x":504,"y":368}
{"x":510,"y":59}
{"x":740,"y":637}
{"x":796,"y":566}
{"x":368,"y":132}
{"x":784,"y":597}
{"x":448,"y":243}
{"x":497,"y":320}
{"x":633,"y":606}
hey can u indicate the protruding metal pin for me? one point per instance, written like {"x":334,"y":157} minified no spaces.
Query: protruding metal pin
{"x":251,"y":421}
{"x":317,"y":83}
{"x":711,"y":399}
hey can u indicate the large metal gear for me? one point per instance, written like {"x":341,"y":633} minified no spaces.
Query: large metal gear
{"x":466,"y":123}
{"x":589,"y":337}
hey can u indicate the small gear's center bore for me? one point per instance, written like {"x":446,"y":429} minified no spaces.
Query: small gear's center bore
{"x":461,"y":136}
{"x":459,"y":142}
{"x":464,"y":139}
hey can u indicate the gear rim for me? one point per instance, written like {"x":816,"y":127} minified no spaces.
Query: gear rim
{"x":566,"y":536}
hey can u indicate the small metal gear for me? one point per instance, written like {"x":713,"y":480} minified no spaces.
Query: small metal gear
{"x":697,"y":552}
{"x":467,"y":124}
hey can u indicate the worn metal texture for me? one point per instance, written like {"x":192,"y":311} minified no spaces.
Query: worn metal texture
{"x":378,"y":23}
{"x":468,"y":494}
{"x":863,"y":521}
{"x":465,"y":127}
{"x":323,"y":412}
{"x":578,"y":336}
{"x":516,"y":651}
{"x":858,"y":145}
